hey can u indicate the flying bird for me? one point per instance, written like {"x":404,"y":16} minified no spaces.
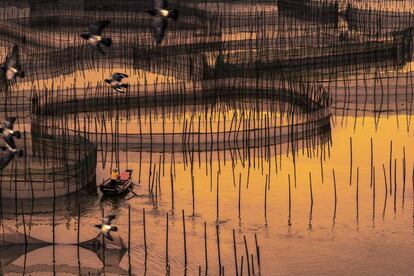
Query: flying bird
{"x":94,"y":35}
{"x":12,"y":151}
{"x":8,"y":150}
{"x":106,"y":227}
{"x":160,"y":13}
{"x":8,"y":134}
{"x":116,"y":82}
{"x":7,"y":154}
{"x":11,"y":68}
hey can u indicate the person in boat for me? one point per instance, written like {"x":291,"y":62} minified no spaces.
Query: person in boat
{"x":114,"y":177}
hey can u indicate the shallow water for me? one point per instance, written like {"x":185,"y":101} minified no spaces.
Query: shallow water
{"x":319,"y":239}
{"x":338,"y":201}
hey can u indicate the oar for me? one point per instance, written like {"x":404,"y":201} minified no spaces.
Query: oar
{"x":132,"y":192}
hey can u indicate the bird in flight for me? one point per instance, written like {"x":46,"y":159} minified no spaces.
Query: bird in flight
{"x":94,"y":36}
{"x":7,"y":154}
{"x":7,"y":132}
{"x":160,"y":13}
{"x":106,"y":227}
{"x":116,"y":82}
{"x":8,"y":150}
{"x":11,"y":68}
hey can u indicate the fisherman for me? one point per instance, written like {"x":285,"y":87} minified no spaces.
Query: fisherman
{"x":114,"y":177}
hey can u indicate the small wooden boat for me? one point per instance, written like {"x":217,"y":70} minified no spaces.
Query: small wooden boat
{"x":124,"y":184}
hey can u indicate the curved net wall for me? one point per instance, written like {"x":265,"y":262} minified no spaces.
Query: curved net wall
{"x":51,"y":166}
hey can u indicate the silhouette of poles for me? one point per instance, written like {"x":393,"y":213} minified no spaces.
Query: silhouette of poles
{"x":217,"y":198}
{"x":385,"y":190}
{"x":239,"y":201}
{"x":145,"y":236}
{"x":24,"y":229}
{"x":218,"y":247}
{"x":357,"y":194}
{"x":350,"y":165}
{"x":236,"y":267}
{"x":247,"y":254}
{"x":185,"y":242}
{"x":336,"y":200}
{"x":258,"y":254}
{"x":167,"y":263}
{"x":290,"y":203}
{"x":129,"y":240}
{"x":311,"y":202}
{"x":205,"y":248}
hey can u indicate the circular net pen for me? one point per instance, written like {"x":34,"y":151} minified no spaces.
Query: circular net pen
{"x":190,"y":117}
{"x":376,"y":19}
{"x":51,"y":166}
{"x":316,"y":10}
